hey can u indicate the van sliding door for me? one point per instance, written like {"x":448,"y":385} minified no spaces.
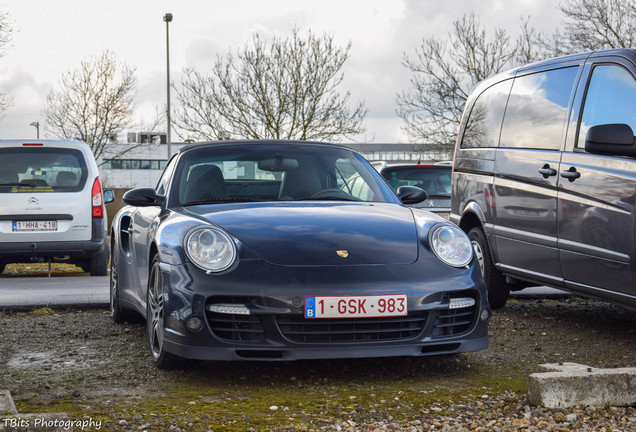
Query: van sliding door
{"x":526,"y":167}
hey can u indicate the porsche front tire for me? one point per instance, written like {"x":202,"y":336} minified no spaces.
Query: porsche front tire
{"x":155,"y":320}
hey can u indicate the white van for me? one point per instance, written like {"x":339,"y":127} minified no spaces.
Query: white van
{"x":52,"y":205}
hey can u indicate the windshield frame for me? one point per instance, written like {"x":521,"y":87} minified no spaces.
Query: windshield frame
{"x":259,"y":150}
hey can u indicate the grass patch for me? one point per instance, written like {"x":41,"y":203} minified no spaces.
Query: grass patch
{"x":41,"y":269}
{"x":43,"y":311}
{"x":202,"y":399}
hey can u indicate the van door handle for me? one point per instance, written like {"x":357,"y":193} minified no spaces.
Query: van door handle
{"x":546,"y":171}
{"x":571,"y":174}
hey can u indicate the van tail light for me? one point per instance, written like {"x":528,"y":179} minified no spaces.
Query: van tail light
{"x":97,"y":200}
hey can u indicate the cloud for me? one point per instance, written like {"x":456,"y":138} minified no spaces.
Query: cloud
{"x":28,"y":95}
{"x":53,"y":36}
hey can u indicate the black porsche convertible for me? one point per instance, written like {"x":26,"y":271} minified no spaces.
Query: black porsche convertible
{"x":277,"y":250}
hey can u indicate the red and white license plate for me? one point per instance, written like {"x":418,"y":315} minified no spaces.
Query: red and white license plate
{"x":34,"y":225}
{"x":356,"y":306}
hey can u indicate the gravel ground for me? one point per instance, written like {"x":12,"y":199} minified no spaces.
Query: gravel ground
{"x":80,"y":363}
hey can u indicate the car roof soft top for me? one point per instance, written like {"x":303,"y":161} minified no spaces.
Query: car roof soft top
{"x":230,"y":143}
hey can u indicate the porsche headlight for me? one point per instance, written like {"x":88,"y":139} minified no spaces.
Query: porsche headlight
{"x":210,"y":249}
{"x":451,"y":245}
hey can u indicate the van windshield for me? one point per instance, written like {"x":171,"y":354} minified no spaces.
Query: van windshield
{"x":37,"y":169}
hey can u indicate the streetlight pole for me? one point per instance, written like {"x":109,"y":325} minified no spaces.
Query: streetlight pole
{"x":37,"y":128}
{"x":168,"y":18}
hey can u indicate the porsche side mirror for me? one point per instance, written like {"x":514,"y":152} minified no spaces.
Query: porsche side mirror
{"x":411,"y":194}
{"x":143,"y":197}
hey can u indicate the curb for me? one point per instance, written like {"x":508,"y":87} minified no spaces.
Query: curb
{"x":565,"y":385}
{"x":54,"y":306}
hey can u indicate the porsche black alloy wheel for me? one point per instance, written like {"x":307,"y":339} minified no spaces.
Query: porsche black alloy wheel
{"x":154,"y":320}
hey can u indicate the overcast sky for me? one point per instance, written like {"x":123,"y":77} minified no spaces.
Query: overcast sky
{"x":54,"y":36}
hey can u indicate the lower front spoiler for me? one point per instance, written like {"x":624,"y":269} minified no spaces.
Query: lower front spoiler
{"x":331,"y":352}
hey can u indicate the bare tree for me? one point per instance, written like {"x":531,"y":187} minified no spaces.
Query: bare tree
{"x":590,"y":25}
{"x":93,"y":103}
{"x":285,"y":89}
{"x":444,"y":73}
{"x":5,"y":38}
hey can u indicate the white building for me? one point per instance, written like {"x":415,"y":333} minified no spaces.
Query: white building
{"x":141,"y":166}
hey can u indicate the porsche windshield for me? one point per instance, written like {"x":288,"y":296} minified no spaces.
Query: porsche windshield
{"x":275,"y":172}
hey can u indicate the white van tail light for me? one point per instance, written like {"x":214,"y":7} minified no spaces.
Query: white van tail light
{"x":97,"y":199}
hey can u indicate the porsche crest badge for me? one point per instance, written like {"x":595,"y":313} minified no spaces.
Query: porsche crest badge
{"x":342,"y":253}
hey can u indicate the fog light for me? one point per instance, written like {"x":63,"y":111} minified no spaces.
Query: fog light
{"x":229,"y":309}
{"x":194,"y":323}
{"x":460,"y":303}
{"x":485,"y":315}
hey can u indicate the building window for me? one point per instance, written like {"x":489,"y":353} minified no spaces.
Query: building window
{"x":135,"y":164}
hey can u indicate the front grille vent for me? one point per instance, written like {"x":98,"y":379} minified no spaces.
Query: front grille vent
{"x":452,"y":322}
{"x":235,"y":327}
{"x":300,"y":329}
{"x":243,"y":328}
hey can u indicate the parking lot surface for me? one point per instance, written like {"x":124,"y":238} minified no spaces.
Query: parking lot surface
{"x":79,"y":362}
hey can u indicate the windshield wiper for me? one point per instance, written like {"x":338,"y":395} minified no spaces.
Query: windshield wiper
{"x":222,"y":200}
{"x":328,"y":198}
{"x":23,"y":183}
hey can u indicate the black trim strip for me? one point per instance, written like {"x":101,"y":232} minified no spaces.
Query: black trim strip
{"x":36,"y":217}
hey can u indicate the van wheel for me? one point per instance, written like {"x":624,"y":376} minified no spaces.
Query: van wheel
{"x":98,"y":266}
{"x":498,"y":289}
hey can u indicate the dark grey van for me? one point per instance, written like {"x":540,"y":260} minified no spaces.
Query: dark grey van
{"x":544,"y":178}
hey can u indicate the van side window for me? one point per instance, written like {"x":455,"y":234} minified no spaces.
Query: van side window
{"x":484,"y":123}
{"x":537,"y":109}
{"x":610,"y":99}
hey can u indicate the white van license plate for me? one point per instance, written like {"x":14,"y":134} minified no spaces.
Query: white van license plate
{"x":34,"y":225}
{"x":356,"y":306}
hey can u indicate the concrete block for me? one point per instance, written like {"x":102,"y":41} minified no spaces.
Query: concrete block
{"x":570,"y":384}
{"x":6,"y":403}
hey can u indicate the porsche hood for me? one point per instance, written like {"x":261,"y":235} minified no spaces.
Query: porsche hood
{"x":319,"y":234}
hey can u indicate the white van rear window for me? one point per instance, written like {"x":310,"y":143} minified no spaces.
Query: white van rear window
{"x":37,"y":169}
